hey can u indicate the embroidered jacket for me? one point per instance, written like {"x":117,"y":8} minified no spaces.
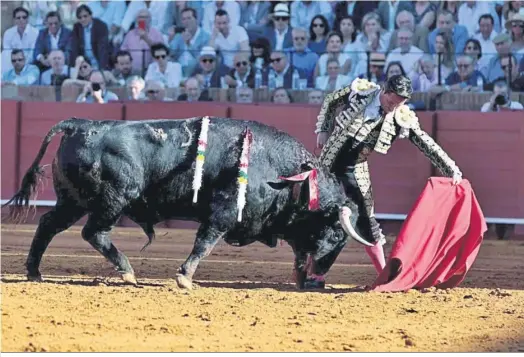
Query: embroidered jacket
{"x":370,"y":130}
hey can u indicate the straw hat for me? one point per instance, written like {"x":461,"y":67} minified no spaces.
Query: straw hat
{"x":517,"y":17}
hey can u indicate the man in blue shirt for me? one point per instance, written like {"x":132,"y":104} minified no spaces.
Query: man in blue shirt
{"x":446,"y":23}
{"x":21,"y":74}
{"x":466,"y":77}
{"x":301,"y":56}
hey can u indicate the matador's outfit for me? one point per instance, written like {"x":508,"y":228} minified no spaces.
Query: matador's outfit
{"x":362,"y":128}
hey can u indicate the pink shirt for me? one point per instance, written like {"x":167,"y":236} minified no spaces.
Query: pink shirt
{"x":134,"y":44}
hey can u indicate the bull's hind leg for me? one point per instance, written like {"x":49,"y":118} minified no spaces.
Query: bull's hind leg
{"x":206,"y":238}
{"x":60,"y":218}
{"x":96,"y":232}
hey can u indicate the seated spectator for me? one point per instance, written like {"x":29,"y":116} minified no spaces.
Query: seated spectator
{"x":373,"y":37}
{"x":474,"y":50}
{"x":232,"y":8}
{"x":123,"y":67}
{"x":58,"y":72}
{"x":356,"y":9}
{"x":193,"y":92}
{"x":21,"y":36}
{"x":80,"y":73}
{"x":500,"y":99}
{"x":161,"y":16}
{"x":318,"y":33}
{"x":279,"y":32}
{"x":444,"y":48}
{"x":243,"y":75}
{"x":260,"y":53}
{"x":515,"y":26}
{"x":334,"y":80}
{"x":209,"y":72}
{"x":394,"y":68}
{"x":315,"y":97}
{"x":228,"y":38}
{"x":425,"y":14}
{"x":406,"y":19}
{"x":90,"y":39}
{"x":334,"y":48}
{"x":95,"y":91}
{"x":139,"y":41}
{"x":244,"y":95}
{"x":406,"y":53}
{"x":254,"y":16}
{"x":502,"y":44}
{"x":282,"y":70}
{"x":21,"y":73}
{"x":377,"y":63}
{"x":186,"y":45}
{"x":134,"y":88}
{"x":55,"y":36}
{"x":485,"y":37}
{"x":425,"y":74}
{"x":446,"y":24}
{"x":388,"y":10}
{"x":163,"y":70}
{"x":350,"y":46}
{"x":466,"y":78}
{"x":302,"y":12}
{"x":470,"y":12}
{"x":301,"y":56}
{"x":511,"y":73}
{"x":281,"y":96}
{"x":156,"y":91}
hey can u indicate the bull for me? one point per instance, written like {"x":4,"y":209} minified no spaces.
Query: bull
{"x":226,"y":174}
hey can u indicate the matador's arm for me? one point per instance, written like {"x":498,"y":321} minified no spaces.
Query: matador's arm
{"x":359,"y":90}
{"x":434,"y":152}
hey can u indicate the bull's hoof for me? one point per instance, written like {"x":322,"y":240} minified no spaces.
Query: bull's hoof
{"x":183,"y":282}
{"x":35,"y":278}
{"x":314,"y":284}
{"x":129,"y":278}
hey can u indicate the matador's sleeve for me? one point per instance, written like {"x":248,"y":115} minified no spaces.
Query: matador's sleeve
{"x":356,"y":95}
{"x":433,"y":151}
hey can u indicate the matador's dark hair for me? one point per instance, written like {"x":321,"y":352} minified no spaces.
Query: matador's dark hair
{"x":400,"y":85}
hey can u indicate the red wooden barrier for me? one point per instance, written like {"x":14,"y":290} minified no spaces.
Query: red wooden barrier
{"x":174,"y":110}
{"x":9,"y":128}
{"x":297,"y":120}
{"x":489,"y":149}
{"x":399,"y":176}
{"x":38,"y":117}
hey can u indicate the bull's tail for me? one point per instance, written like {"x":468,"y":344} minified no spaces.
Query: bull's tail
{"x":19,"y":203}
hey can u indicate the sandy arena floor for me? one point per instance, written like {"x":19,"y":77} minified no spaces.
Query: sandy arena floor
{"x":244,"y":301}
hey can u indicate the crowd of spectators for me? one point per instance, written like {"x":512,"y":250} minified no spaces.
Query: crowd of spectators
{"x":150,"y":46}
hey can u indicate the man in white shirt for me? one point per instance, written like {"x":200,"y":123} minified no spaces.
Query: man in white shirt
{"x":228,"y":38}
{"x":210,"y":10}
{"x":500,"y":101}
{"x":470,"y":12}
{"x":58,"y":71}
{"x":163,"y":70}
{"x":485,"y":38}
{"x":21,"y":36}
{"x":406,"y":53}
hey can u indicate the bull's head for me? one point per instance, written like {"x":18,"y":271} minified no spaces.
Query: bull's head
{"x":328,"y":208}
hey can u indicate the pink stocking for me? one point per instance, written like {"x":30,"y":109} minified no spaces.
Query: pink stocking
{"x":376,"y":253}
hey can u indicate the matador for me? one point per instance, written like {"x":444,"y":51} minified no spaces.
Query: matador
{"x":372,"y":118}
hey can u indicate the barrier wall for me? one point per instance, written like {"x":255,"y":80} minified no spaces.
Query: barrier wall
{"x":488,"y":147}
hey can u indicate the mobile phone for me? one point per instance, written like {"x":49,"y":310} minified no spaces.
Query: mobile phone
{"x":142,"y":24}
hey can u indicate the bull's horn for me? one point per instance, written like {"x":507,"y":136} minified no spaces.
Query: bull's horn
{"x":344,"y":215}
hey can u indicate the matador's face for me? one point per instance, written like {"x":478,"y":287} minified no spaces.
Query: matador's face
{"x":390,"y":101}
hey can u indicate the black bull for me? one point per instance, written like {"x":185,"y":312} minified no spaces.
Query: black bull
{"x":144,"y":170}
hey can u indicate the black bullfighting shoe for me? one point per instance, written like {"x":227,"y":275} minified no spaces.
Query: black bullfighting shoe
{"x":315,"y":282}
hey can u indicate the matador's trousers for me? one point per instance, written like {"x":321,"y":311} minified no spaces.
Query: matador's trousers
{"x":357,"y":185}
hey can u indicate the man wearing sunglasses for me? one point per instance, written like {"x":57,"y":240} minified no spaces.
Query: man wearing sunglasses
{"x":209,"y":71}
{"x":21,"y":74}
{"x":54,"y":37}
{"x":242,"y":75}
{"x":279,"y":35}
{"x":283,"y":70}
{"x":163,"y":70}
{"x":21,"y":36}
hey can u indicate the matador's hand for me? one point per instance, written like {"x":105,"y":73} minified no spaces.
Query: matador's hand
{"x":457,"y":178}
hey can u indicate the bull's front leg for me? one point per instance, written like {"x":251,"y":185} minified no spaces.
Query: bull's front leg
{"x":206,"y":239}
